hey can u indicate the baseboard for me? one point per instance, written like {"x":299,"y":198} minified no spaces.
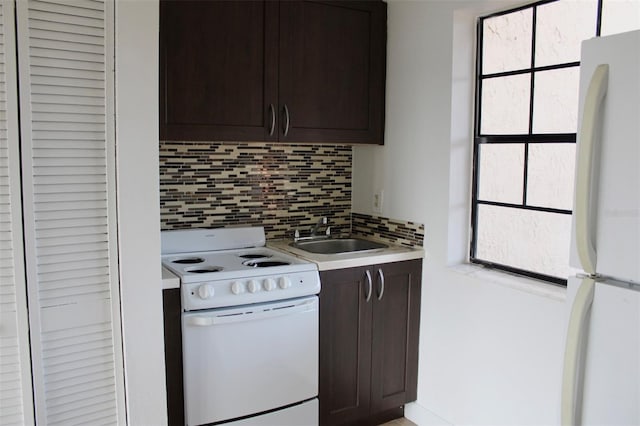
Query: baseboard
{"x":423,"y":417}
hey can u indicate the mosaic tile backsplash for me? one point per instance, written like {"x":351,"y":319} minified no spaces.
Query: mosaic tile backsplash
{"x":394,"y":231}
{"x":281,"y":187}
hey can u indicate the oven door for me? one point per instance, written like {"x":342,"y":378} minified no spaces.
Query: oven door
{"x":246,"y":360}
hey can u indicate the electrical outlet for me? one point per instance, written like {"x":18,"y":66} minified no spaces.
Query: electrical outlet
{"x":377,"y":201}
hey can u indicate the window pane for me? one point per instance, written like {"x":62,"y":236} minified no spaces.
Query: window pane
{"x":619,"y":16}
{"x":550,"y":175}
{"x":529,"y":240}
{"x":505,"y":105}
{"x":507,"y":42}
{"x":501,"y":173}
{"x":560,"y":28}
{"x":555,"y":101}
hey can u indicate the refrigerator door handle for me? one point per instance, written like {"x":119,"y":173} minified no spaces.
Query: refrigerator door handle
{"x":585,"y":162}
{"x":574,"y":351}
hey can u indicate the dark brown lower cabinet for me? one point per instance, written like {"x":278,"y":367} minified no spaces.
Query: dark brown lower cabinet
{"x":173,"y":355}
{"x":369,"y":326}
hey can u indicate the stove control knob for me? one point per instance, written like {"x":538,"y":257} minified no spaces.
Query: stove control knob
{"x":237,"y":287}
{"x":284,"y":283}
{"x":254,"y":286}
{"x":269,"y":284}
{"x":205,"y":291}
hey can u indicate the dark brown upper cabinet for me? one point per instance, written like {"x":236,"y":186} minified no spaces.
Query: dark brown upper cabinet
{"x":290,"y":71}
{"x":218,"y":69}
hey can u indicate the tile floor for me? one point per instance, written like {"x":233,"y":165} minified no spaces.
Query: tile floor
{"x":399,"y":422}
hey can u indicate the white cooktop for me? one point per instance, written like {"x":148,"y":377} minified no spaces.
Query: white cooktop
{"x":229,"y":264}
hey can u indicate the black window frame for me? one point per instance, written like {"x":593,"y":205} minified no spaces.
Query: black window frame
{"x":524,"y":139}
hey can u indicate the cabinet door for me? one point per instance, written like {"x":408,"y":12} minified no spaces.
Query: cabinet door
{"x":345,"y":346}
{"x":396,"y":317}
{"x":332,"y":71}
{"x":218,"y":70}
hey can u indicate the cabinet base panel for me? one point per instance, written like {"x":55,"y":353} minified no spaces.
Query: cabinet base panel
{"x":383,"y":417}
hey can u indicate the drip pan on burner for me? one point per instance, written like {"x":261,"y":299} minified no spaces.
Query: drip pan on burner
{"x":254,"y":256}
{"x":203,"y":269}
{"x":266,"y":263}
{"x":188,"y":260}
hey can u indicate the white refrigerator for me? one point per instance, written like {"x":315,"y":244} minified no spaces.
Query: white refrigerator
{"x":601,"y":372}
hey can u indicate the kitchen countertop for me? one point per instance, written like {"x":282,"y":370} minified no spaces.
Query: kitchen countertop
{"x":326,"y":262}
{"x":169,"y":280}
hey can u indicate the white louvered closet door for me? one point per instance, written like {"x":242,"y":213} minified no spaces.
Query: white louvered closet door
{"x":16,"y":403}
{"x":65,"y":56}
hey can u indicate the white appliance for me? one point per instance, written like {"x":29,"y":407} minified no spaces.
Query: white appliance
{"x":249,"y":328}
{"x":601,"y":375}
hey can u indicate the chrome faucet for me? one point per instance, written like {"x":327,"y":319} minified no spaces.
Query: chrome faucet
{"x":314,"y":231}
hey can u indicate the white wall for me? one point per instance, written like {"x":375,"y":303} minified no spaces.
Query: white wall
{"x":490,"y":344}
{"x":139,"y":209}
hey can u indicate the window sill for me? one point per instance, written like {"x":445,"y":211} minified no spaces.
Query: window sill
{"x":524,"y":284}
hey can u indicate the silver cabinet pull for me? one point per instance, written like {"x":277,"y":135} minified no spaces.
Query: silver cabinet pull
{"x":286,"y":121}
{"x":272,"y":110}
{"x":381,"y":275}
{"x":369,"y":286}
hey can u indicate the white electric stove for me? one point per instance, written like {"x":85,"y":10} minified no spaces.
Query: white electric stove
{"x":249,"y":328}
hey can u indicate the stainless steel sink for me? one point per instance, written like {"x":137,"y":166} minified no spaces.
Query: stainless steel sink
{"x":338,"y":245}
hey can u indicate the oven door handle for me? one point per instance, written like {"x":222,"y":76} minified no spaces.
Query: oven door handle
{"x":206,"y":321}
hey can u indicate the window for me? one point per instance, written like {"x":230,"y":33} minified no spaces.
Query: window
{"x":527,"y":78}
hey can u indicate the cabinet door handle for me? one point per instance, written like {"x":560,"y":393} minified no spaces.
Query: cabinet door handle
{"x":272,"y":110}
{"x":381,"y":275}
{"x":286,"y":121}
{"x":369,"y":286}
